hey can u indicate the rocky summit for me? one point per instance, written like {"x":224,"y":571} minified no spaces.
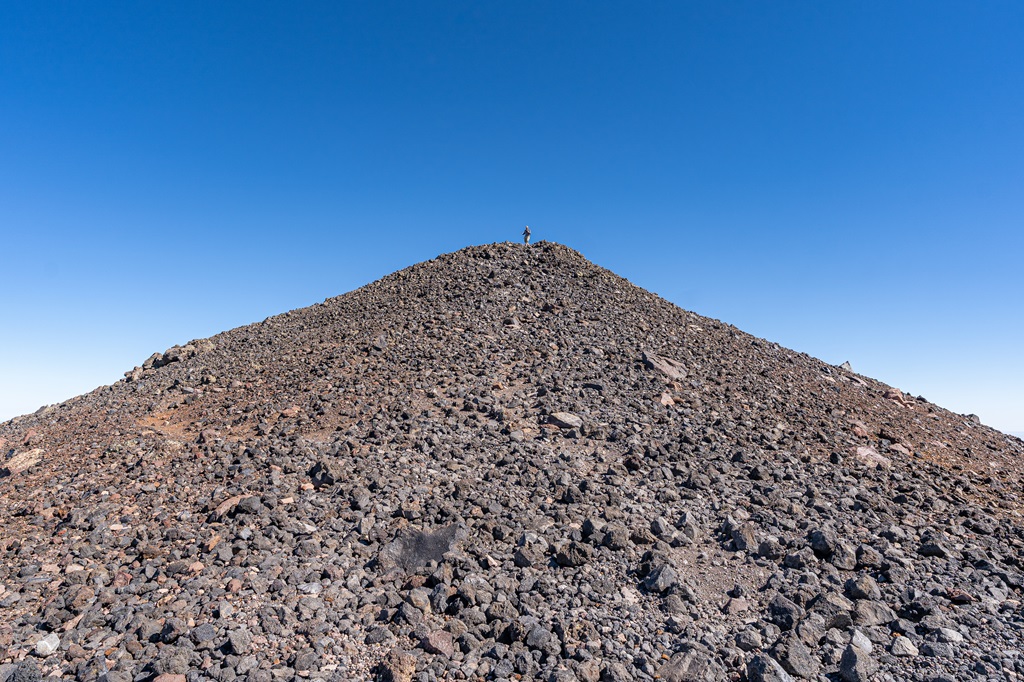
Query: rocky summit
{"x":506,"y":463}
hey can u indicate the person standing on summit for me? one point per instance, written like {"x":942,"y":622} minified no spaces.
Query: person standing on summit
{"x":526,"y":235}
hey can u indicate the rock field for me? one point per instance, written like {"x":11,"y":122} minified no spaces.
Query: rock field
{"x":506,"y":463}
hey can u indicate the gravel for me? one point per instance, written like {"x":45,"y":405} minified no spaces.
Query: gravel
{"x":505,"y":463}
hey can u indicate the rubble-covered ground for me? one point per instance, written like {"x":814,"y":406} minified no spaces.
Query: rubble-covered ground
{"x":506,"y":463}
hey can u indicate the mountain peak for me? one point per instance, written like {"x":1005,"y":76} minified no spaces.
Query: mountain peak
{"x":506,"y":460}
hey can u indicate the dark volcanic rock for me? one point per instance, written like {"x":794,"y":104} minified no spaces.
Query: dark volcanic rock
{"x":791,"y":652}
{"x":693,"y":665}
{"x":856,"y":665}
{"x":415,"y":549}
{"x":505,"y":463}
{"x":762,"y":668}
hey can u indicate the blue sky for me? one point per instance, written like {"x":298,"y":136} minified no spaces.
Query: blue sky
{"x":842,"y":178}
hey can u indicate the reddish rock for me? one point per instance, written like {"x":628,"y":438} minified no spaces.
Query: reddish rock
{"x":399,"y":666}
{"x":21,"y":462}
{"x":673,"y":369}
{"x":869,"y":456}
{"x":439,"y":642}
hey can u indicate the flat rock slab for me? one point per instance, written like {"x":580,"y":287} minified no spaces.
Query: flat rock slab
{"x":413,"y":549}
{"x":565,"y":420}
{"x":869,"y":456}
{"x":673,"y":369}
{"x":20,"y":462}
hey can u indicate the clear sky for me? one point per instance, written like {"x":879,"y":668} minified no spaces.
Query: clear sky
{"x":846,"y":179}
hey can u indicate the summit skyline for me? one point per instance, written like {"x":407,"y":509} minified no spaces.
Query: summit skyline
{"x":843,"y":181}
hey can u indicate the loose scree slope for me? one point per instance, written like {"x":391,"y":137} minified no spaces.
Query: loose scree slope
{"x":505,"y":463}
